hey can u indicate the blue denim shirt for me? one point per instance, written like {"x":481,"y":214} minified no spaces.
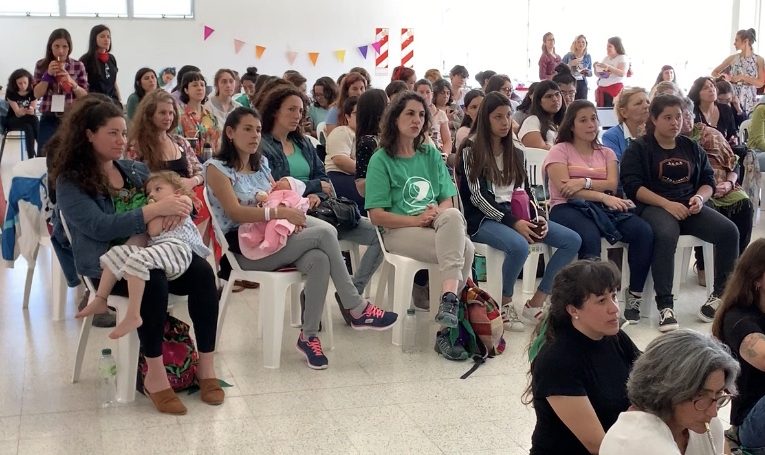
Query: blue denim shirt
{"x":93,"y":222}
{"x":272,"y":149}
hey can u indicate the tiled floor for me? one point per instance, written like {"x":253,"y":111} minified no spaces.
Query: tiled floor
{"x":372,"y":399}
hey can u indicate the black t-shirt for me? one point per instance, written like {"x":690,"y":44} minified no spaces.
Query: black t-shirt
{"x":726,"y":122}
{"x":738,"y":323}
{"x":575,"y":365}
{"x":365,"y":147}
{"x":24,"y":101}
{"x":102,"y":77}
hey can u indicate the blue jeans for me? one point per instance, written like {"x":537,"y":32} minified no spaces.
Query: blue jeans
{"x":635,"y":231}
{"x":516,"y":248}
{"x":48,"y":125}
{"x":751,"y":433}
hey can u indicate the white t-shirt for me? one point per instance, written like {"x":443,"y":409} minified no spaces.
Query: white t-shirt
{"x":641,"y":433}
{"x":502,"y":194}
{"x":341,"y":141}
{"x":531,"y":124}
{"x":615,"y":62}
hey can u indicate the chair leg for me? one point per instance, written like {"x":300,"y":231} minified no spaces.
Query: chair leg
{"x":382,"y":282}
{"x":709,"y":266}
{"x":494,"y":261}
{"x":127,"y":361}
{"x":2,"y":146}
{"x":435,"y":291}
{"x":30,"y":276}
{"x":272,"y":302}
{"x":402,"y":297}
{"x":59,"y":287}
{"x":82,"y":343}
{"x":328,"y":328}
{"x":222,"y":306}
{"x":530,"y":273}
{"x":295,"y":306}
{"x":678,"y":274}
{"x":625,"y":269}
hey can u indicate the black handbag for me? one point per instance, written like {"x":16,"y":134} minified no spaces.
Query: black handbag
{"x":340,"y":212}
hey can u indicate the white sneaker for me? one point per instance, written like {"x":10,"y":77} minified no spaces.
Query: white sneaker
{"x":510,"y":318}
{"x":532,"y":315}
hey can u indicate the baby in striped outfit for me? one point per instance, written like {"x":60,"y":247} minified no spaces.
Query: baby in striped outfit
{"x":170,"y":251}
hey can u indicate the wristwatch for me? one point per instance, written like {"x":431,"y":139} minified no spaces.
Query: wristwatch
{"x":587,"y":183}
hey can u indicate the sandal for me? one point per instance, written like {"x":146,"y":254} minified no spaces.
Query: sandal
{"x":210,"y":391}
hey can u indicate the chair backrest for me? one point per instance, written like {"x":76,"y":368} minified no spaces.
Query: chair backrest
{"x":321,"y":132}
{"x":607,"y":117}
{"x":386,"y":253}
{"x":743,"y":131}
{"x":313,"y":140}
{"x":219,"y":235}
{"x":534,"y":164}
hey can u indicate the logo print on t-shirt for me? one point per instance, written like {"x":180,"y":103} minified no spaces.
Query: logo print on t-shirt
{"x":675,"y":171}
{"x":417,"y":194}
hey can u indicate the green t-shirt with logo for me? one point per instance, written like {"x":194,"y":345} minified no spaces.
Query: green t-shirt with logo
{"x":407,"y":185}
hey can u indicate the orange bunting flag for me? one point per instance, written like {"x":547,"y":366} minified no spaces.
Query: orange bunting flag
{"x":314,"y":56}
{"x":238,"y":45}
{"x":340,"y":55}
{"x":291,"y":56}
{"x":259,"y":51}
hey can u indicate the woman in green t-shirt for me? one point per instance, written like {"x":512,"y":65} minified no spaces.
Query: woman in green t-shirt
{"x":408,"y":194}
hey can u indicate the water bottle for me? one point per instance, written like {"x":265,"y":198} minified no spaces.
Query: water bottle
{"x":107,"y":372}
{"x":206,"y":152}
{"x":410,"y":332}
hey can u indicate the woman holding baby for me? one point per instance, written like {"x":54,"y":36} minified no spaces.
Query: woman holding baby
{"x":234,"y":177}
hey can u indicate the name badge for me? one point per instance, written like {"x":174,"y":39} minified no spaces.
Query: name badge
{"x":58,"y":103}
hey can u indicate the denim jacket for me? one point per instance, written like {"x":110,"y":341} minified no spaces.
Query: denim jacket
{"x":92,"y":222}
{"x":605,"y":219}
{"x":272,"y":149}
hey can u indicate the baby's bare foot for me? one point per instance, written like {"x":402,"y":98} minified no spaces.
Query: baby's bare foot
{"x":96,"y":306}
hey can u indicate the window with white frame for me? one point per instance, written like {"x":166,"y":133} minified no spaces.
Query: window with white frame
{"x":182,"y":9}
{"x":97,"y":8}
{"x":29,"y":8}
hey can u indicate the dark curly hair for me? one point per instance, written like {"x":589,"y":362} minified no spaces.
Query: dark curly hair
{"x":389,"y":133}
{"x":75,"y":158}
{"x":273,"y":101}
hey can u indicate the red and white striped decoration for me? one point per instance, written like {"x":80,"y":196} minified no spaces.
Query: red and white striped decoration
{"x":407,"y":47}
{"x":381,"y":59}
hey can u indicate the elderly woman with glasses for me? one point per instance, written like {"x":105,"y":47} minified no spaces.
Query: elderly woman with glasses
{"x":676,"y":388}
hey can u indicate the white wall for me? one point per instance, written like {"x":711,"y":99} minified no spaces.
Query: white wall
{"x":480,"y":35}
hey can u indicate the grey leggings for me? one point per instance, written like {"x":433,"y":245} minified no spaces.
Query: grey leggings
{"x":316,"y":253}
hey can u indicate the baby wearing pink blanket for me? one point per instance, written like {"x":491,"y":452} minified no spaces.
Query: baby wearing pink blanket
{"x":264,"y":238}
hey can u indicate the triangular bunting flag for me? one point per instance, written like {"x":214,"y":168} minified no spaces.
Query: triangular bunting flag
{"x":314,"y":56}
{"x":363,"y":50}
{"x":238,"y":45}
{"x":291,"y":56}
{"x":377,"y":45}
{"x":259,"y":51}
{"x":208,"y":31}
{"x":340,"y":55}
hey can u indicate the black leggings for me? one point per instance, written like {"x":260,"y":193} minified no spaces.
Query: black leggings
{"x":741,"y":214}
{"x":29,"y":125}
{"x":581,"y":89}
{"x":198,"y":282}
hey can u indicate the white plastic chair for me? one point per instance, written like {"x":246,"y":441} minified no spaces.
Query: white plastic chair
{"x":321,"y":132}
{"x":272,"y":299}
{"x":605,"y":246}
{"x":400,"y":281}
{"x":36,"y":227}
{"x":494,"y":262}
{"x":607,"y":117}
{"x":127,"y":346}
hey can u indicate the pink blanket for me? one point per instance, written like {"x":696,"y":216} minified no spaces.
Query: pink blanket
{"x":264,"y":238}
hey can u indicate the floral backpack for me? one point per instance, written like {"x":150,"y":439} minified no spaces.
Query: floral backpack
{"x":178,"y":354}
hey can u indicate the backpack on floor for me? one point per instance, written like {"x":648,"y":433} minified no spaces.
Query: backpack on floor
{"x":178,"y":354}
{"x":485,"y":318}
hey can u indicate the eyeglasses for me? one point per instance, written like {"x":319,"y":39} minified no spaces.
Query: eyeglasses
{"x":318,"y":95}
{"x":552,"y":96}
{"x":568,"y":92}
{"x":702,"y":404}
{"x":507,"y":90}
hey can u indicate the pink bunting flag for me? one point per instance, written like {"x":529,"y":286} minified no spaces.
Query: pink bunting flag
{"x":377,"y":45}
{"x":238,"y":45}
{"x":291,"y":56}
{"x":207,"y":32}
{"x":363,"y":50}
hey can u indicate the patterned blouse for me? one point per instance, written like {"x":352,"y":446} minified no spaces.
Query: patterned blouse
{"x":75,"y":68}
{"x":206,"y":128}
{"x":747,"y":94}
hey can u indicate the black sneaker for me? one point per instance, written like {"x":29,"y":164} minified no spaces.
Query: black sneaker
{"x":445,"y":348}
{"x":448,"y":310}
{"x":311,"y":350}
{"x":344,"y":312}
{"x":709,"y":308}
{"x":632,"y":307}
{"x":667,"y":321}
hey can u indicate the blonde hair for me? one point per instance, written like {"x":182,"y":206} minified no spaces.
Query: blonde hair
{"x":433,"y":75}
{"x":172,"y":179}
{"x":624,"y":100}
{"x":573,"y":44}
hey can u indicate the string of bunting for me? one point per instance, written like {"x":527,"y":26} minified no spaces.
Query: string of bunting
{"x":291,"y":56}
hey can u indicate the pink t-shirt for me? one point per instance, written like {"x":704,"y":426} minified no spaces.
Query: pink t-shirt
{"x":577,"y":167}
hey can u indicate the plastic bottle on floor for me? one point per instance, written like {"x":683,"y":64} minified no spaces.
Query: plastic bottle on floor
{"x":107,"y":373}
{"x":410,"y":332}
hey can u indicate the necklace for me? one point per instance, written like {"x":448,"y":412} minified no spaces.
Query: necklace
{"x":589,"y":161}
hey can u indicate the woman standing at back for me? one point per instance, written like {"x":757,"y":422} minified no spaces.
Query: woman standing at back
{"x":580,"y":62}
{"x":746,"y":70}
{"x":100,"y":64}
{"x":611,"y":72}
{"x":549,"y":59}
